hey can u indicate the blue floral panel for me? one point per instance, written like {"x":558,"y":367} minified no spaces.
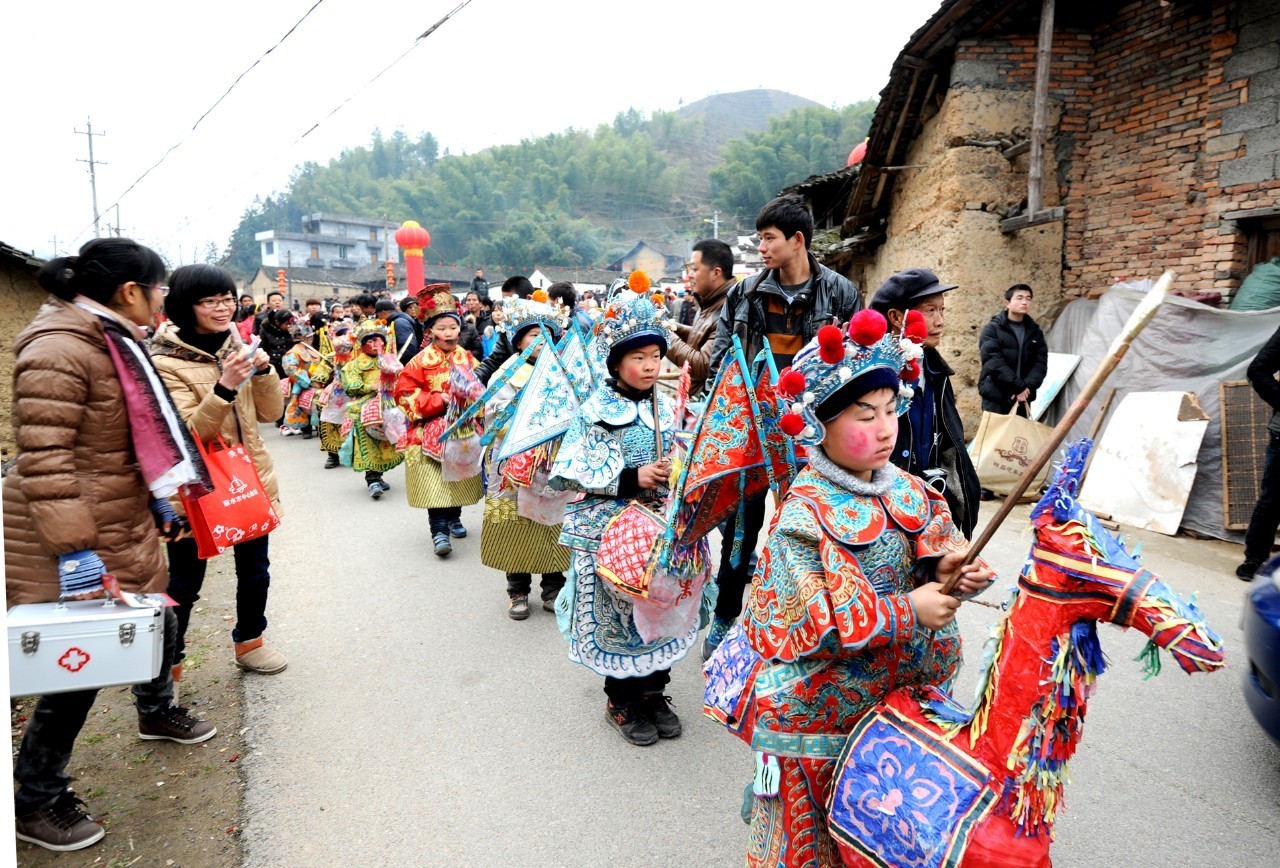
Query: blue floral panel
{"x":904,"y":798}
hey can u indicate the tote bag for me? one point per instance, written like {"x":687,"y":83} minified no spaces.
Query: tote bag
{"x":1003,"y":448}
{"x":237,"y":510}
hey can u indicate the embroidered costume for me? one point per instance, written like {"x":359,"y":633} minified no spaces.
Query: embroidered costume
{"x":829,"y":629}
{"x":363,"y":382}
{"x":422,"y":393}
{"x":302,"y":363}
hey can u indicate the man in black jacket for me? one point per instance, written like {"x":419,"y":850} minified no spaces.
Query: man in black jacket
{"x":1261,"y":534}
{"x":1014,"y":354}
{"x":785,"y":305}
{"x":516,"y":286}
{"x":406,"y":335}
{"x":930,"y":435}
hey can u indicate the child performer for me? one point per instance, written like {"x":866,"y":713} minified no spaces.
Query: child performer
{"x":423,"y":393}
{"x":299,"y":364}
{"x":333,"y":401}
{"x":364,"y":379}
{"x":847,"y":594}
{"x":509,"y":541}
{"x":611,"y":454}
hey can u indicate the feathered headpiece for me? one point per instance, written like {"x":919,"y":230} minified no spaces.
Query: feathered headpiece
{"x":632,"y":320}
{"x":862,"y":357}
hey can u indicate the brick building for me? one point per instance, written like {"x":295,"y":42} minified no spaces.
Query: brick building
{"x":1161,"y":139}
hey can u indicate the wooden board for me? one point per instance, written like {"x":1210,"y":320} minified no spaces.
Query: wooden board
{"x":1244,"y":450}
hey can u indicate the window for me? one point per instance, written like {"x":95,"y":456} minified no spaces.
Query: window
{"x":342,"y":251}
{"x":270,"y":248}
{"x":1264,"y":241}
{"x":373,"y":257}
{"x":315,"y":252}
{"x":373,"y":234}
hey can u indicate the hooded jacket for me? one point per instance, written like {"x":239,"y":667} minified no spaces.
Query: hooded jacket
{"x":190,"y":375}
{"x":76,"y":483}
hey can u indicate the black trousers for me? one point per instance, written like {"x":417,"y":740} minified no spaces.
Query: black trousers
{"x":734,"y":580}
{"x":439,"y":517}
{"x":626,"y":691}
{"x":1261,"y":534}
{"x":253,"y":582}
{"x":41,"y":766}
{"x":521,"y":584}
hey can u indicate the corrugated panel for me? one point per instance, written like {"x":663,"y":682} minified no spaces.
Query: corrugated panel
{"x":1244,"y":450}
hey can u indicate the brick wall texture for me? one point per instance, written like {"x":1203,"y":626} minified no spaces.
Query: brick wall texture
{"x":1169,"y":119}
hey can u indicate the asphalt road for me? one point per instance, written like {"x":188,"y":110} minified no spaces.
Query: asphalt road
{"x":418,"y":725}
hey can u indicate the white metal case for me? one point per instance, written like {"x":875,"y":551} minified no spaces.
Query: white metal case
{"x":82,"y":645}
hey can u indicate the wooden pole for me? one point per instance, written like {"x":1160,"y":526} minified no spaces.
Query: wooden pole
{"x":657,"y":425}
{"x":1039,"y":110}
{"x":1137,"y":321}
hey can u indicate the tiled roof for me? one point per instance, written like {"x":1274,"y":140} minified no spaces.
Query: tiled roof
{"x":26,"y":258}
{"x":316,"y":276}
{"x":585,"y":274}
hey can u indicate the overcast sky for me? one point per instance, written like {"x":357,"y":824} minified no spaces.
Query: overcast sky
{"x":498,"y":71}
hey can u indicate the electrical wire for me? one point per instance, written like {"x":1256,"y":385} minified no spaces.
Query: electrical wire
{"x":418,"y":41}
{"x":206,"y":113}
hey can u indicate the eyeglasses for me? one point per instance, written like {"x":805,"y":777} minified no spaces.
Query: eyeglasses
{"x":211,"y":303}
{"x":158,"y":287}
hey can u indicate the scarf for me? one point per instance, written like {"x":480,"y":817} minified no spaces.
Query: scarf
{"x":167,"y":455}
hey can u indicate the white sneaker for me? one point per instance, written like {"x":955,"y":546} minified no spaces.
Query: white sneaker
{"x":286,"y":431}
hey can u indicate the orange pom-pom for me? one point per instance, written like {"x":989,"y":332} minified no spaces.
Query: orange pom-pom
{"x":867,"y":327}
{"x":791,"y":383}
{"x":658,"y":299}
{"x":914,"y":327}
{"x":639,"y":282}
{"x":791,"y":424}
{"x":611,"y":313}
{"x":540,"y":295}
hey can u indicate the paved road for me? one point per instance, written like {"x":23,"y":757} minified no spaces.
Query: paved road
{"x":418,"y":725}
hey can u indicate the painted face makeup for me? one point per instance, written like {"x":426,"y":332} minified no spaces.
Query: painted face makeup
{"x":861,"y":438}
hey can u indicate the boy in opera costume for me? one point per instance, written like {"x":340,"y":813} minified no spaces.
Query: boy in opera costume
{"x":366,"y":378}
{"x":611,"y":454}
{"x":847,"y":601}
{"x":422,"y":392}
{"x":509,"y":540}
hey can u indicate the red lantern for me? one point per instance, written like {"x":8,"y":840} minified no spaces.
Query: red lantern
{"x":412,"y":238}
{"x":391,"y":274}
{"x":282,"y":282}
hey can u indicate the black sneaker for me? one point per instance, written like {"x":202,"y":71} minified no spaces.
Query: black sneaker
{"x":331,"y":461}
{"x":634,"y":726}
{"x":62,"y":826}
{"x":1247,"y":570}
{"x":441,"y":541}
{"x":657,"y":709}
{"x":456,"y":530}
{"x":174,"y":724}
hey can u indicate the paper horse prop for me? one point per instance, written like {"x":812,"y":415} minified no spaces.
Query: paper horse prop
{"x":923,"y":782}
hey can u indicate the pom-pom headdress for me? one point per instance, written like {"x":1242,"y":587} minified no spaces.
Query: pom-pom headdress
{"x":632,"y":320}
{"x":841,"y":361}
{"x":371,"y":328}
{"x":523,"y":314}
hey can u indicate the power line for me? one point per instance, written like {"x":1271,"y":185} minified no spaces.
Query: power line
{"x":204,"y":115}
{"x":335,"y":110}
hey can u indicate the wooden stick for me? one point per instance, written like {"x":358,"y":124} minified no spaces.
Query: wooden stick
{"x":657,"y":425}
{"x":1137,"y":321}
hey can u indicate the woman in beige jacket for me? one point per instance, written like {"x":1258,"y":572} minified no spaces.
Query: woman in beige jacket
{"x":220,"y":392}
{"x":86,"y":498}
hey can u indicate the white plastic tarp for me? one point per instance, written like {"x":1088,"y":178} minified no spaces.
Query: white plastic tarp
{"x":1187,"y":347}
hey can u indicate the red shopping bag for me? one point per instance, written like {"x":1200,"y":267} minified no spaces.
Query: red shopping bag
{"x":237,"y":510}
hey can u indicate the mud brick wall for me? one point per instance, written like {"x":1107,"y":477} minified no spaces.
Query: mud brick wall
{"x":20,"y":298}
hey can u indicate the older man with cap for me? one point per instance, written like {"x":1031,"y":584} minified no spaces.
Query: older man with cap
{"x":931,"y":435}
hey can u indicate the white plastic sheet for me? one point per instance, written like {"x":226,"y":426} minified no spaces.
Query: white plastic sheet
{"x":1187,"y":347}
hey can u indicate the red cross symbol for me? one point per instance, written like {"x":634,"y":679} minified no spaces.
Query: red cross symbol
{"x":74,"y":660}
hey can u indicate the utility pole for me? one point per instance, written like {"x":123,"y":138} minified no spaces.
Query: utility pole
{"x":93,"y":175}
{"x":117,"y":207}
{"x":55,"y":246}
{"x":288,"y":264}
{"x":715,"y":224}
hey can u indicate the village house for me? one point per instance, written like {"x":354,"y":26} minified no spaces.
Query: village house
{"x":329,"y":241}
{"x":656,"y":263}
{"x":303,"y":283}
{"x":1160,"y":125}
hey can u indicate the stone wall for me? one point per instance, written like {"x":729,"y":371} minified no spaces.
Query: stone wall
{"x":20,"y":298}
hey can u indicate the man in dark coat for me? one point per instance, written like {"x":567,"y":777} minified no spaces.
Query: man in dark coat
{"x":930,"y":434}
{"x":1261,"y":534}
{"x":1014,"y":354}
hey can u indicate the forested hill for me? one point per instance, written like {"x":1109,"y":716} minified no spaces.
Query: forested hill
{"x":576,"y":197}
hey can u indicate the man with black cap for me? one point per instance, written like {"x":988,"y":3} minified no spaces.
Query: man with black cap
{"x":784,"y":306}
{"x":516,"y":286}
{"x":406,"y":335}
{"x":930,"y":435}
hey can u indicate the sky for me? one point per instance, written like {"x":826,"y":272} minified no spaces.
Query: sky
{"x":498,"y":71}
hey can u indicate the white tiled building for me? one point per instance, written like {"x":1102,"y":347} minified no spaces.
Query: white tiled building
{"x":330,"y":241}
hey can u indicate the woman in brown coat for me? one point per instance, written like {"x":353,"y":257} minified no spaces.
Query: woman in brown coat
{"x":219,"y":392}
{"x":85,"y":497}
